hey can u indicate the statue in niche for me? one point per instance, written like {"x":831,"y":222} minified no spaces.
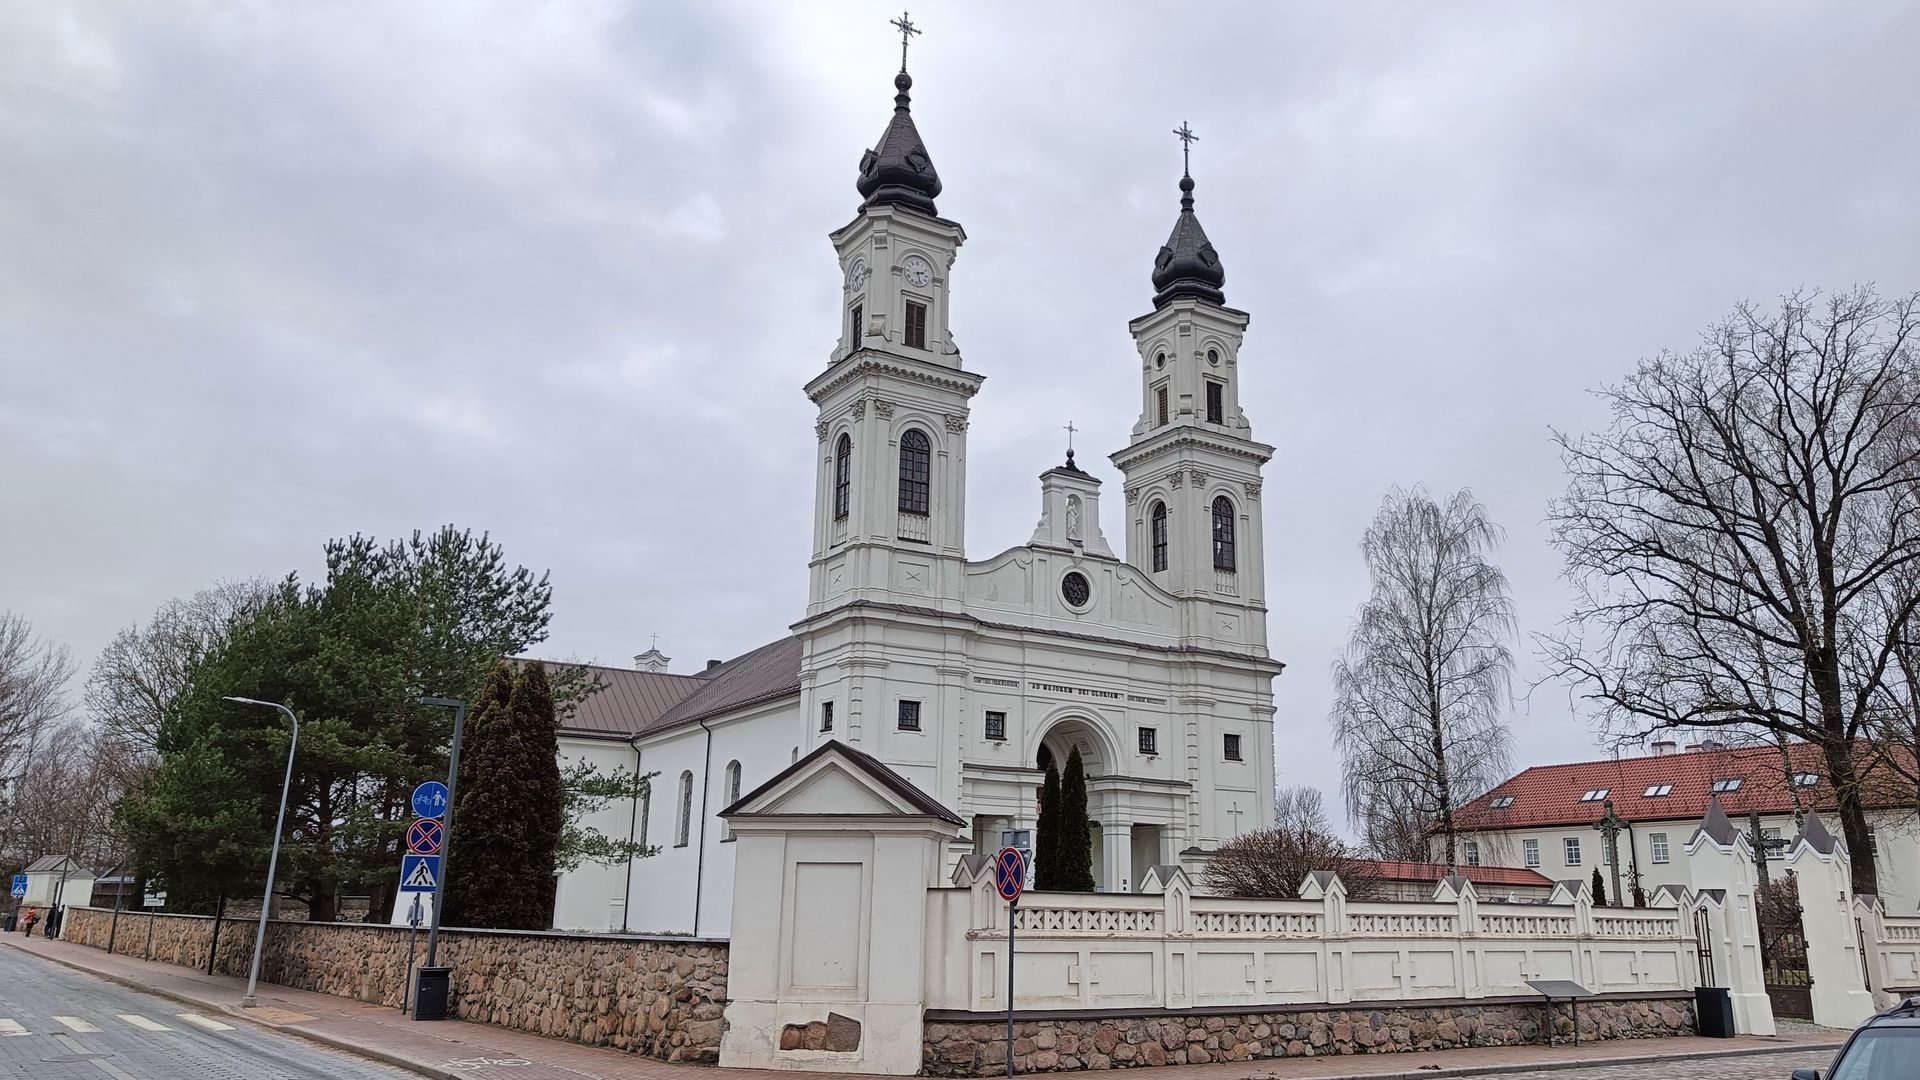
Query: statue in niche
{"x":1073,"y":517}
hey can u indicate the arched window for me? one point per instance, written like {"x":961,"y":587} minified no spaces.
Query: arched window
{"x":686,"y":810}
{"x":916,"y":470}
{"x":1158,"y":523}
{"x":732,"y":796}
{"x":1223,"y":533}
{"x":842,"y":475}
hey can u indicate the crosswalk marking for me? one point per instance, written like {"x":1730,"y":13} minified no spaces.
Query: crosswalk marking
{"x":142,"y":1022}
{"x":74,"y":1023}
{"x":203,"y":1022}
{"x":10,"y":1028}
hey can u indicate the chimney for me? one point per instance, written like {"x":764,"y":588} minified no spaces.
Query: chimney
{"x":1708,"y":746}
{"x":1663,"y":747}
{"x":711,"y":664}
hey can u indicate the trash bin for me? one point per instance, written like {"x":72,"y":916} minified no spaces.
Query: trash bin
{"x":1713,"y":1009}
{"x":10,"y":923}
{"x":430,"y":993}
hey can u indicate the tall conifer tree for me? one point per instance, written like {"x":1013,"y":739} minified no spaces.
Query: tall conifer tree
{"x":1046,"y":843}
{"x":1074,"y":857}
{"x":511,"y":808}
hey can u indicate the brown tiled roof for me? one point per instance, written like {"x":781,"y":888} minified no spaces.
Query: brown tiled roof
{"x":1551,"y":795}
{"x":1505,"y":877}
{"x":768,"y":672}
{"x":628,"y":701}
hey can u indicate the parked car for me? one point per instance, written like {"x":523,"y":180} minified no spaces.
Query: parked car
{"x":1886,"y":1047}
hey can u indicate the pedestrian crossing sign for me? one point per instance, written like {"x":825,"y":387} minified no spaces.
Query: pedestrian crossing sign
{"x":420,"y":873}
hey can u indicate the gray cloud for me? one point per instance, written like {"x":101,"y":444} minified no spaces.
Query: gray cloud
{"x":273,"y":273}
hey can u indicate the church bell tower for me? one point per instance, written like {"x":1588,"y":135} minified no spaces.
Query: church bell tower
{"x":890,"y":489}
{"x":1192,"y":468}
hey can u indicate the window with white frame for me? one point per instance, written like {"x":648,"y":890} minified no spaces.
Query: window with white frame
{"x":1571,"y":847}
{"x":1657,"y":791}
{"x":1232,"y":746}
{"x":1530,"y":850}
{"x":1149,"y":740}
{"x":1873,"y":844}
{"x":996,"y":725}
{"x":1595,"y":794}
{"x":1657,"y":842}
{"x":826,"y":716}
{"x":1805,"y":779}
{"x":909,"y":716}
{"x":733,"y":795}
{"x":1471,"y":852}
{"x":1726,"y":784}
{"x":1772,"y":841}
{"x":1501,"y":802}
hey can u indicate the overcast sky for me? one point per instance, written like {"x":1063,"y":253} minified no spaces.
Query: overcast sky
{"x":271,"y":273}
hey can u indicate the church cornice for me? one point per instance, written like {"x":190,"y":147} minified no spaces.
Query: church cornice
{"x":852,"y":607}
{"x":864,"y":362}
{"x":1177,"y":439}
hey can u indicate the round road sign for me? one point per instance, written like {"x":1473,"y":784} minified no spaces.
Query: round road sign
{"x":1009,"y":874}
{"x":424,"y":836}
{"x":430,"y":799}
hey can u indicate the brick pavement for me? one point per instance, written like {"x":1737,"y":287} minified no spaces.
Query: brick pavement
{"x":456,"y":1050}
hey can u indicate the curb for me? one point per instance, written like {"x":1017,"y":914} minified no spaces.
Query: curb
{"x":332,"y":1042}
{"x":1591,"y":1063}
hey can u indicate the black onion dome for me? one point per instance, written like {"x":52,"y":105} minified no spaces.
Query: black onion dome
{"x":1187,"y":265}
{"x":898,"y":170}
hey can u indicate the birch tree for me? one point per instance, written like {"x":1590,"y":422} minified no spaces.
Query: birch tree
{"x":1420,"y":695}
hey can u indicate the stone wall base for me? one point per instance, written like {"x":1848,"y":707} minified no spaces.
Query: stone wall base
{"x":976,"y":1046}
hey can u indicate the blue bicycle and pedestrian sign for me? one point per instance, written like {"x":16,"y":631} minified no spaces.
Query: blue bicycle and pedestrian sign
{"x":430,"y":799}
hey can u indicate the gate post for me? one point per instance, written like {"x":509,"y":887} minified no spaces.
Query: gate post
{"x":1817,"y":861}
{"x":1721,"y":864}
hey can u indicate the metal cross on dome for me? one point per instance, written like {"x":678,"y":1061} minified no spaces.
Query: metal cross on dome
{"x":1187,"y":139}
{"x":1070,"y":429}
{"x":907,"y":31}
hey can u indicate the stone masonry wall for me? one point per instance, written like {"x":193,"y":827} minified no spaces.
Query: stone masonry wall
{"x":657,"y":996}
{"x":977,"y":1047}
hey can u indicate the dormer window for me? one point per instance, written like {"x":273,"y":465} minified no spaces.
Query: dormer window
{"x":1595,"y":794}
{"x":1501,"y":803}
{"x":1731,"y":783}
{"x":1805,"y":779}
{"x":916,"y":325}
{"x":1658,"y":791}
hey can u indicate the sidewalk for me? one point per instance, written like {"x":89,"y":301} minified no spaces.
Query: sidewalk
{"x":456,"y":1050}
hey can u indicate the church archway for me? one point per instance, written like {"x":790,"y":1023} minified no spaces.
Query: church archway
{"x":1062,"y":736}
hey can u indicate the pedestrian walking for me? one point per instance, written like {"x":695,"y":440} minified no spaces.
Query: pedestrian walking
{"x":33,"y":916}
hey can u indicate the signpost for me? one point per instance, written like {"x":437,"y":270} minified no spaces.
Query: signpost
{"x":430,"y":799}
{"x":19,"y":886}
{"x":1009,"y":880}
{"x":420,"y":873}
{"x":154,"y":899}
{"x":425,"y":836}
{"x":434,"y":800}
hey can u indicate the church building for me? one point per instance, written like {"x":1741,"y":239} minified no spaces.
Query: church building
{"x":968,"y":676}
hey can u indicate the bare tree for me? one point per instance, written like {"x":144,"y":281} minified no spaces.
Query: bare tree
{"x":1419,"y":696}
{"x":33,"y":680}
{"x":64,"y":804}
{"x":1733,"y":532}
{"x":1272,"y":863}
{"x":141,"y":671}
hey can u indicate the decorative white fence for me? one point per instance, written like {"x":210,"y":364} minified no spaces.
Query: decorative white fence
{"x":1892,"y":946}
{"x":1167,"y":948}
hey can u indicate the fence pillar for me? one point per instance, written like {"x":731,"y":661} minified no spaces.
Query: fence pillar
{"x":1869,"y":921}
{"x":1336,"y":976}
{"x":1176,"y":926}
{"x":1721,"y":864}
{"x":1817,"y":860}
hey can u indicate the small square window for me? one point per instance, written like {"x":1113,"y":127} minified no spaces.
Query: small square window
{"x":1573,"y":850}
{"x":1721,"y":787}
{"x":1530,"y":849}
{"x":1233,"y":747}
{"x":1160,"y":404}
{"x":997,"y":726}
{"x":1658,"y":791}
{"x":826,"y":716}
{"x":916,"y":325}
{"x":1658,"y":842}
{"x":1149,"y":740}
{"x":909,"y":716}
{"x":1595,"y":794}
{"x":1501,"y":802}
{"x":1773,"y":843}
{"x":1216,"y":403}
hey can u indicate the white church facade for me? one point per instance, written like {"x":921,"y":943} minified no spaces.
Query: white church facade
{"x":967,"y":676}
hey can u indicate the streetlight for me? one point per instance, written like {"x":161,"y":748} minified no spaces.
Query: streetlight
{"x":273,"y":861}
{"x":459,"y":708}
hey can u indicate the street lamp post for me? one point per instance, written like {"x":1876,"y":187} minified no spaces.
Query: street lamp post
{"x":273,"y":861}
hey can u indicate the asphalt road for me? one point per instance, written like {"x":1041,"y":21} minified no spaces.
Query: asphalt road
{"x":59,"y":1024}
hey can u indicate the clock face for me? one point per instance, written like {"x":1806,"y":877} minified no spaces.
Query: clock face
{"x":917,"y":272}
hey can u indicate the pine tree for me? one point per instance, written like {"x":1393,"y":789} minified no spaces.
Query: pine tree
{"x":1046,"y":845}
{"x":1075,"y":854}
{"x":1599,"y":889}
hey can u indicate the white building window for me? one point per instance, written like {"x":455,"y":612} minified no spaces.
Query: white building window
{"x":1771,"y":840}
{"x":1232,"y":747}
{"x":681,"y":827}
{"x":909,"y":718}
{"x":996,"y":726}
{"x":733,"y":795}
{"x":646,"y":812}
{"x":1531,"y":850}
{"x":1501,"y":803}
{"x":1472,"y":849}
{"x":1873,"y":844}
{"x":1805,"y":779}
{"x":1731,"y":783}
{"x":1572,"y":846}
{"x":1149,"y":740}
{"x":1658,"y":842}
{"x":1658,"y":791}
{"x":1595,"y":794}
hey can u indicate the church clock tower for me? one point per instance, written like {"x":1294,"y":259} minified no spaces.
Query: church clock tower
{"x":890,"y":503}
{"x":1192,"y":468}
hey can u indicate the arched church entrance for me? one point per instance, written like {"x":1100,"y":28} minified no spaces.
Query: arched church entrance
{"x":1122,"y":848}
